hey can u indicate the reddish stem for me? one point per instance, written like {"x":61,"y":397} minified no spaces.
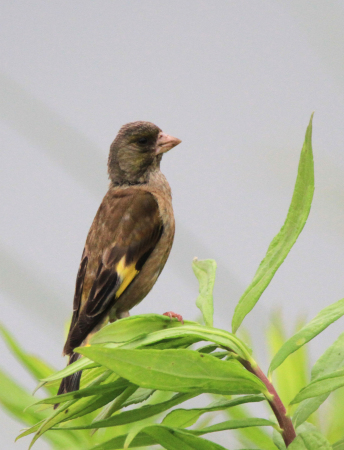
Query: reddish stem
{"x":285,"y":423}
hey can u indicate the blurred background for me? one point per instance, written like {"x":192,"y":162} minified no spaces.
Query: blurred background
{"x":237,"y":82}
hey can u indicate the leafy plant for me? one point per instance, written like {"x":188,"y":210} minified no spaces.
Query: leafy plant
{"x":138,"y":372}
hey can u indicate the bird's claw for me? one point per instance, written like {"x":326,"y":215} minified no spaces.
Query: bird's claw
{"x":173,"y":315}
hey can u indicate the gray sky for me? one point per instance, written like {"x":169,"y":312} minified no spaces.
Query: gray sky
{"x":237,"y":82}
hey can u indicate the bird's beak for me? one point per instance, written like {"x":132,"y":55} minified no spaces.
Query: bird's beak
{"x":165,"y":143}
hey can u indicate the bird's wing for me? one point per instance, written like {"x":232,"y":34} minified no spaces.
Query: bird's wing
{"x":123,"y":235}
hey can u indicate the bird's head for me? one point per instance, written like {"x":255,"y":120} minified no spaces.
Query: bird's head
{"x":137,"y":151}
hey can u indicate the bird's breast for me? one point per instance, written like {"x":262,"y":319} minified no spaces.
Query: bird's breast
{"x":152,"y":268}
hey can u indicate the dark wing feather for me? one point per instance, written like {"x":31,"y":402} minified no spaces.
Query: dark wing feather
{"x":124,"y":233}
{"x":79,"y":286}
{"x":107,"y":281}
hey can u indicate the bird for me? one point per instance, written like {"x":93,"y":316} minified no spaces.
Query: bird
{"x":129,"y":240}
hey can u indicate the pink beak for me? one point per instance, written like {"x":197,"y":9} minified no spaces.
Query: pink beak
{"x":165,"y":143}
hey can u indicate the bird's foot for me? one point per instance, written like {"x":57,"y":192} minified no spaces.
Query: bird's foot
{"x":173,"y":315}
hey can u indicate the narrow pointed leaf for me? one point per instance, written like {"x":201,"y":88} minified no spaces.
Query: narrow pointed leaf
{"x":195,"y":442}
{"x":293,"y":374}
{"x":81,"y":364}
{"x":116,"y":443}
{"x":15,"y":400}
{"x":139,"y":396}
{"x":285,"y":239}
{"x":278,"y":440}
{"x":321,"y":385}
{"x":118,"y":385}
{"x":182,"y":342}
{"x":205,"y":271}
{"x":142,"y":439}
{"x":174,"y":439}
{"x":135,"y":429}
{"x":331,"y":360}
{"x":38,"y":368}
{"x":162,"y":330}
{"x":72,"y":410}
{"x":177,"y":370}
{"x":178,"y":416}
{"x":135,"y":415}
{"x":339,"y":445}
{"x":326,"y":316}
{"x":133,"y":327}
{"x":183,"y":418}
{"x":235,"y":424}
{"x":193,"y":331}
{"x":116,"y":404}
{"x":307,"y":407}
{"x":208,"y":348}
{"x":310,"y":441}
{"x":253,"y":435}
{"x":306,"y":428}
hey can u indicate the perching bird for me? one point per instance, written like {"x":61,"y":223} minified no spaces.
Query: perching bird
{"x":130,"y":238}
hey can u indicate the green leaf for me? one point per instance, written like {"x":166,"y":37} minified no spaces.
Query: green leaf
{"x":321,"y":385}
{"x":134,"y":332}
{"x":339,"y":445}
{"x":118,"y":442}
{"x":108,"y":388}
{"x":95,"y":376}
{"x":234,"y":425}
{"x":306,"y":408}
{"x":174,"y":439}
{"x":139,"y":396}
{"x":183,"y":418}
{"x":278,"y":440}
{"x":15,"y":400}
{"x":205,"y":272}
{"x":38,"y":368}
{"x":177,"y":370}
{"x":331,"y":360}
{"x":142,"y":439}
{"x":333,"y":419}
{"x":195,"y":333}
{"x":207,"y":348}
{"x":182,"y":342}
{"x":326,"y":316}
{"x":116,"y":404}
{"x":134,"y":415}
{"x":133,"y":327}
{"x":254,"y":435}
{"x":70,"y":410}
{"x":305,"y":428}
{"x":310,"y":441}
{"x":81,"y":364}
{"x":285,"y":239}
{"x":292,"y":376}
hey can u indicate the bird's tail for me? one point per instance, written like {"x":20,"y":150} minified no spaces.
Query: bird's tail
{"x":72,"y":382}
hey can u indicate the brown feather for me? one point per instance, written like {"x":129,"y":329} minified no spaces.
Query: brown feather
{"x":127,"y":225}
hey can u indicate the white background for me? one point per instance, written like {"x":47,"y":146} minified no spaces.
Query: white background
{"x":237,"y":82}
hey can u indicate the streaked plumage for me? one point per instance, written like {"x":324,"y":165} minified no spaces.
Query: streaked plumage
{"x":129,"y":240}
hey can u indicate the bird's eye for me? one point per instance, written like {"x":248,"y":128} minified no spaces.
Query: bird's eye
{"x":142,"y":141}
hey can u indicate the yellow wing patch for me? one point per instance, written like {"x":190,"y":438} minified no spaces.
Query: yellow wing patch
{"x":126,"y":274}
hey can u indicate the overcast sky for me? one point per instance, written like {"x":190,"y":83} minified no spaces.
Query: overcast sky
{"x":237,"y":82}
